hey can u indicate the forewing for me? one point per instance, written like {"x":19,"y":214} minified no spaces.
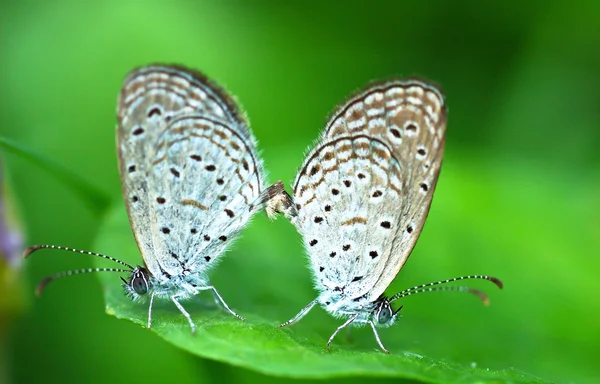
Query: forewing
{"x":364,"y":191}
{"x":166,"y":115}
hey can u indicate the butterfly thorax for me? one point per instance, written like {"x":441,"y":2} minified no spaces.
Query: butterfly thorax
{"x":339,"y":304}
{"x":184,"y":285}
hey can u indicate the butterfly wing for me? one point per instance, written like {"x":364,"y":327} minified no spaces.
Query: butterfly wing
{"x":187,"y":159}
{"x":364,"y":191}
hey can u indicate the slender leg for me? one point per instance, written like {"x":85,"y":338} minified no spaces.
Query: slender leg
{"x":377,"y":337}
{"x":351,"y":319}
{"x":217,"y":301}
{"x":221,"y":301}
{"x":150,"y":310}
{"x":187,"y":315}
{"x":300,"y":314}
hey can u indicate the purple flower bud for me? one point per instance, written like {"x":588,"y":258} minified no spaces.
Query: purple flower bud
{"x":11,"y":240}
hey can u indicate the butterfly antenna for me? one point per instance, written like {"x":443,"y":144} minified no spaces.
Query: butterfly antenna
{"x":430,"y":287}
{"x":59,"y":275}
{"x":34,"y":248}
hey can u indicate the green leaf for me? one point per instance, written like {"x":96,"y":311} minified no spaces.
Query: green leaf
{"x":261,"y":281}
{"x":96,"y":200}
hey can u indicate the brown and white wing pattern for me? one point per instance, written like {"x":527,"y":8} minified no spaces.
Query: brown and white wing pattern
{"x":364,"y":190}
{"x":189,"y":167}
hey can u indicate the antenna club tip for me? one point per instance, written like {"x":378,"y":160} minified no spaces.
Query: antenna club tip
{"x":42,"y":285}
{"x":482,"y":296}
{"x":497,"y":281}
{"x":30,"y":250}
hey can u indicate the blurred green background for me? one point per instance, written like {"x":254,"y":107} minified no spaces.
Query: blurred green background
{"x":518,"y":198}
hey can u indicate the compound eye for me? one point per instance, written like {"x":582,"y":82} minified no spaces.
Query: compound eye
{"x":384,"y":315}
{"x":139,"y":283}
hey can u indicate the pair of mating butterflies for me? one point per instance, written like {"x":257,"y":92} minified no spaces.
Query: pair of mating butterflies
{"x":192,"y":179}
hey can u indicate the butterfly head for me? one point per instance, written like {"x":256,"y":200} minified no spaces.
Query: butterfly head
{"x":138,"y":284}
{"x":384,"y":315}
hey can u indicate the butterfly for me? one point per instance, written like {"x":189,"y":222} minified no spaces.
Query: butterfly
{"x":191,"y":179}
{"x":361,"y":197}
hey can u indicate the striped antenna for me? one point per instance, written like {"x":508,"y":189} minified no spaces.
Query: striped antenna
{"x":429,"y":287}
{"x":34,"y":248}
{"x":59,"y":275}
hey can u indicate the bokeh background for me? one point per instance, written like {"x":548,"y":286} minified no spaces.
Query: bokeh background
{"x":518,"y":197}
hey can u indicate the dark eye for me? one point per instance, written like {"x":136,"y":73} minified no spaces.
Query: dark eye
{"x":139,"y":284}
{"x":384,"y":315}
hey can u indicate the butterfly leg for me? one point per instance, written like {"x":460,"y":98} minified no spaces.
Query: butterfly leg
{"x":217,"y":301}
{"x":351,"y":319}
{"x":300,"y":314}
{"x":221,"y":301}
{"x":150,"y":310}
{"x":185,"y":313}
{"x":377,"y":337}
